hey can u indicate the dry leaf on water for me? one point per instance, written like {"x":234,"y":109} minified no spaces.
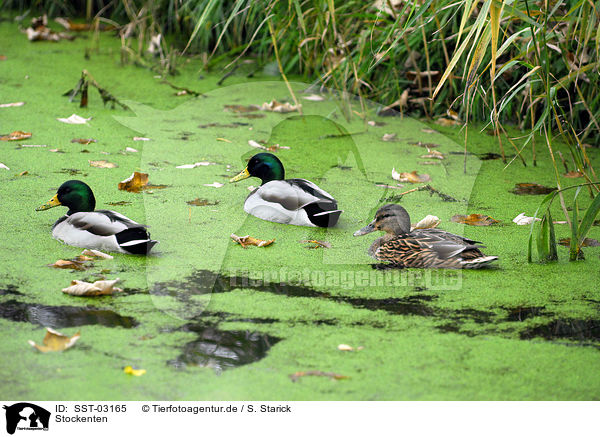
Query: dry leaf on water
{"x":348,"y":348}
{"x":251,"y":241}
{"x":588,"y":242}
{"x":11,"y":105}
{"x":474,"y":219}
{"x":68,"y":264}
{"x":522,"y":219}
{"x":275,"y":106}
{"x":314,"y":98}
{"x":389,"y":137}
{"x":74,"y":119}
{"x":202,"y":202}
{"x":317,"y":244}
{"x":296,"y":376}
{"x":433,"y":154}
{"x":573,"y":174}
{"x":84,"y":141}
{"x":413,"y":177}
{"x":136,"y":183}
{"x":135,"y":372}
{"x":215,"y":185}
{"x":428,"y":222}
{"x":16,"y":136}
{"x":196,"y":164}
{"x":130,"y":150}
{"x":96,"y":253}
{"x":522,"y":189}
{"x":2,"y":166}
{"x":103,"y":164}
{"x":447,"y":122}
{"x":54,"y":341}
{"x":98,"y":288}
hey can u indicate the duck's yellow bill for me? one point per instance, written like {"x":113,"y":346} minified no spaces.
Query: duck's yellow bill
{"x":49,"y":204}
{"x":243,"y":175}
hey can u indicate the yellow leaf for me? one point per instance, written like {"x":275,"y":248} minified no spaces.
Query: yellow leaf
{"x":16,"y":136}
{"x":54,"y":341}
{"x":135,"y":372}
{"x":134,"y":183}
{"x":474,"y":219}
{"x":251,"y":241}
{"x":98,"y":288}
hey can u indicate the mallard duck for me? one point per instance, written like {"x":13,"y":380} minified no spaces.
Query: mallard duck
{"x":420,"y":248}
{"x":101,"y":229}
{"x":291,"y":201}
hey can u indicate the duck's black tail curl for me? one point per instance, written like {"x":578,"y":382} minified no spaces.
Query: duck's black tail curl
{"x":323,"y":214}
{"x":135,"y":241}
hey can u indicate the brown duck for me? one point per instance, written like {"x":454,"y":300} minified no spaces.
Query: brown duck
{"x":420,"y":248}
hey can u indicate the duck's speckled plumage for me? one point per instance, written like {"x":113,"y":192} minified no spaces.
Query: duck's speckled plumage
{"x":420,"y":248}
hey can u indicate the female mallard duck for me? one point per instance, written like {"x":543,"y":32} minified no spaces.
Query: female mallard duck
{"x":420,"y":248}
{"x":291,"y":201}
{"x":102,"y":229}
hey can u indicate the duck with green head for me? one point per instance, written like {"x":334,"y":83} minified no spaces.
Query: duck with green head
{"x":83,"y":226}
{"x":290,"y":201}
{"x":420,"y":248}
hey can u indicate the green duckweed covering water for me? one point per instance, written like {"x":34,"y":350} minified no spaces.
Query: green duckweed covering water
{"x":189,"y":314}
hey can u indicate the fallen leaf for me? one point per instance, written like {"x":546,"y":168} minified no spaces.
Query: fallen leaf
{"x":224,"y":140}
{"x":56,"y":151}
{"x":522,"y":189}
{"x":428,"y":130}
{"x":119,"y":203}
{"x":241,"y":108}
{"x":67,"y":264}
{"x":522,"y":219}
{"x":4,"y":167}
{"x":251,"y":241}
{"x":201,"y":202}
{"x":130,"y":150}
{"x":413,"y":177}
{"x":98,"y":288}
{"x":447,"y":122}
{"x":141,"y":139}
{"x":54,"y":341}
{"x":253,"y":143}
{"x":214,"y":184}
{"x":573,"y":174}
{"x":433,"y":154}
{"x":135,"y":372}
{"x":345,"y":347}
{"x":474,"y":219}
{"x":16,"y":136}
{"x":96,"y":253}
{"x":317,"y":243}
{"x":296,"y":376}
{"x":196,"y":164}
{"x":103,"y":164}
{"x":588,"y":242}
{"x":314,"y":98}
{"x":428,"y":222}
{"x":275,"y":106}
{"x":134,"y":183}
{"x":85,"y":141}
{"x":23,"y":173}
{"x":389,"y":137}
{"x":74,"y":119}
{"x":10,"y":105}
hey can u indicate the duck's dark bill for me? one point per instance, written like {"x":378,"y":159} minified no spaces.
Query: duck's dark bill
{"x":243,"y":175}
{"x":367,"y":229}
{"x":49,"y":204}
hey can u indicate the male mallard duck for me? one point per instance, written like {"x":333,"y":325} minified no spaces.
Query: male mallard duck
{"x":420,"y":248}
{"x":291,"y":201}
{"x":102,"y":229}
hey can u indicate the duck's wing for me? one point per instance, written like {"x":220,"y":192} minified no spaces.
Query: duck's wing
{"x":294,"y":194}
{"x":445,"y":244}
{"x":102,"y":222}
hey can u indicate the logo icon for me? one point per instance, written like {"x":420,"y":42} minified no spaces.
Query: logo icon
{"x":26,"y":416}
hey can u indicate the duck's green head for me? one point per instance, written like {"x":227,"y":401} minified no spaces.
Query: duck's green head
{"x":75,"y":195}
{"x":265,"y":166}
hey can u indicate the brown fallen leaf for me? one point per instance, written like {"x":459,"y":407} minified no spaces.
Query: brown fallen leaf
{"x":296,"y":376}
{"x":16,"y":136}
{"x":413,"y":177}
{"x":433,"y":154}
{"x":573,"y":174}
{"x":523,"y":189}
{"x":68,"y":264}
{"x":275,"y":106}
{"x":251,"y":241}
{"x":474,"y":219}
{"x":202,"y":202}
{"x":447,"y":122}
{"x":98,"y":288}
{"x":23,"y":173}
{"x":241,"y":109}
{"x":84,"y":141}
{"x":134,"y":183}
{"x":103,"y":164}
{"x":317,"y":244}
{"x":54,"y":341}
{"x":588,"y":242}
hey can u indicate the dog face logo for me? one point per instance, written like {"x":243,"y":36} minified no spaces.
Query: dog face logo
{"x":26,"y":416}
